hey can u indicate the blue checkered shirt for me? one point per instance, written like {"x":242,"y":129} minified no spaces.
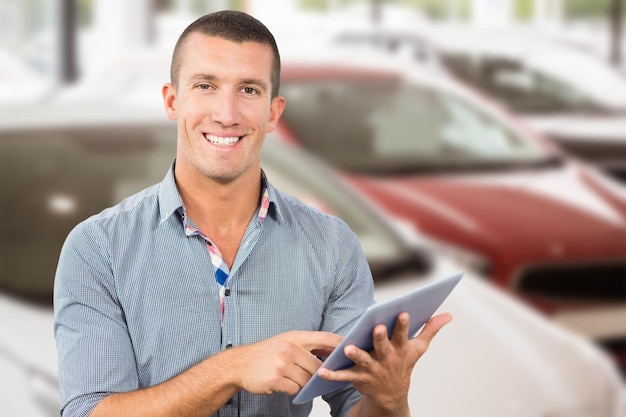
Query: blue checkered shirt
{"x":136,"y":302}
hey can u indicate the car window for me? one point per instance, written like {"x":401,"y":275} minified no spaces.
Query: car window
{"x":520,"y":87}
{"x":378,"y":126}
{"x":53,"y":179}
{"x":566,"y":67}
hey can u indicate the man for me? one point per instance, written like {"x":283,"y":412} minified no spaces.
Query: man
{"x":212,"y":293}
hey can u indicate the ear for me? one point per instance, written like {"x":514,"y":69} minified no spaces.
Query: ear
{"x":276,"y":109}
{"x":168,"y":91}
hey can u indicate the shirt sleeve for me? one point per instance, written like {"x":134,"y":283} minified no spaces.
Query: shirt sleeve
{"x":95,"y":354}
{"x":353,"y":293}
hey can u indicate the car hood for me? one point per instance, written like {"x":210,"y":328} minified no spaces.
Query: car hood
{"x":544,"y":214}
{"x":499,"y":358}
{"x":574,"y":128}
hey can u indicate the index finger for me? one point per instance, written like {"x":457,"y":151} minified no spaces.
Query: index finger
{"x":317,"y":340}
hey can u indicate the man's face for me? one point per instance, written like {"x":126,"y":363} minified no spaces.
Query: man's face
{"x":223,"y":107}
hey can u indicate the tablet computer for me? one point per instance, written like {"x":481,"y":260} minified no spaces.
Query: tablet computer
{"x":421,"y":304}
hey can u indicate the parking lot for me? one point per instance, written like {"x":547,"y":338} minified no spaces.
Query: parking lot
{"x":434,"y":174}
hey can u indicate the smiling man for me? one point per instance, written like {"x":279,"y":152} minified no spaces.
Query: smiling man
{"x":213,"y":293}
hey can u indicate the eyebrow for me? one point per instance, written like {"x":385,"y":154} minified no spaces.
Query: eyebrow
{"x":262,"y":85}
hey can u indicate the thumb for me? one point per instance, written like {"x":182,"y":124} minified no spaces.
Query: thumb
{"x":432,"y":327}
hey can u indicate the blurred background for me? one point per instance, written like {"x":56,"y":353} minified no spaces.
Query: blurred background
{"x":486,"y":135}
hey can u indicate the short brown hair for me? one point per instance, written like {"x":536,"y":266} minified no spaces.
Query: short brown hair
{"x":233,"y":26}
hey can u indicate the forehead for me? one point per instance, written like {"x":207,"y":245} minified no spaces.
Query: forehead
{"x":213,"y":52}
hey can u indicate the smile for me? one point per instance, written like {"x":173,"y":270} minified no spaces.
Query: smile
{"x":222,"y":141}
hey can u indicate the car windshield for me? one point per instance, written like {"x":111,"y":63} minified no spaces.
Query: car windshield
{"x":545,"y":83}
{"x":389,"y":126}
{"x":53,"y":179}
{"x":599,"y":78}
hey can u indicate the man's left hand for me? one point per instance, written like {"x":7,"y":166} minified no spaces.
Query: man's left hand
{"x":383,"y":375}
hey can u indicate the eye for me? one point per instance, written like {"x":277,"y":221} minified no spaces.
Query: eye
{"x":204,"y":86}
{"x":250,"y":90}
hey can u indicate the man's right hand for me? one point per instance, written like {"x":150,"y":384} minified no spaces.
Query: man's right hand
{"x":283,"y":363}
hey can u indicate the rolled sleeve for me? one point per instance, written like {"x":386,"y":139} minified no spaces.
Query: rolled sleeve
{"x":95,"y":352}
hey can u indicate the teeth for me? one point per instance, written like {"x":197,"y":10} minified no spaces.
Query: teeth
{"x":222,"y":141}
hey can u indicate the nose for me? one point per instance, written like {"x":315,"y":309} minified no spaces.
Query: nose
{"x":226,"y":111}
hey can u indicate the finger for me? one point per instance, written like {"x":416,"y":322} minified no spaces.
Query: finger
{"x":341,"y":375}
{"x":288,"y":386}
{"x":400,"y":333}
{"x":308,"y":362}
{"x":432,"y":327}
{"x":314,"y":341}
{"x":318,"y":344}
{"x":360,"y":357}
{"x":363,"y":368}
{"x":300,"y":375}
{"x":381,"y":341}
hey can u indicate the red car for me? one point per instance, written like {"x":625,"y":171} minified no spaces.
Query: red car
{"x":480,"y":185}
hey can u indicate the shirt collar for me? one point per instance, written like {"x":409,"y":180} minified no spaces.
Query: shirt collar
{"x":274,"y":208}
{"x":170,"y":201}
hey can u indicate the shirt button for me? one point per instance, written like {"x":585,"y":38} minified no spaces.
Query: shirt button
{"x":227,"y":292}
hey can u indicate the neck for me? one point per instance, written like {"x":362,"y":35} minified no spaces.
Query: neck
{"x":216,"y":207}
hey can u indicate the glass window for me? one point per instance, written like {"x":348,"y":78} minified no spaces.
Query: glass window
{"x":387,"y":125}
{"x":527,"y":89}
{"x":51,"y":180}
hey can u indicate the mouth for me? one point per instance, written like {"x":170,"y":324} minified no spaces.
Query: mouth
{"x":222,"y":140}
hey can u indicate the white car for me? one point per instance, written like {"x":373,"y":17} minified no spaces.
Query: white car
{"x":497,"y":358}
{"x":399,"y":31}
{"x":560,"y":89}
